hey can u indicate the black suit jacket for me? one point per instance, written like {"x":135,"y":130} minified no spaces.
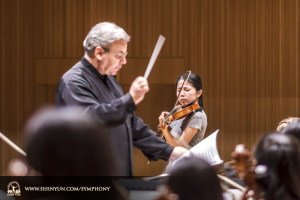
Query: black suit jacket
{"x":102,"y":96}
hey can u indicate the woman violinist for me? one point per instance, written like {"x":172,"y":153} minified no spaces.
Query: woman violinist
{"x":191,"y":129}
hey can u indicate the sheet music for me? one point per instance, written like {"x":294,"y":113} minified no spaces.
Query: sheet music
{"x":155,"y":53}
{"x":206,"y":150}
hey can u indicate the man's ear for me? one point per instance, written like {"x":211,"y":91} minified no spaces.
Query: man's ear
{"x":98,"y":53}
{"x":199,"y":93}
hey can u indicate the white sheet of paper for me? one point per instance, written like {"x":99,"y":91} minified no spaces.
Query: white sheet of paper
{"x":206,"y":150}
{"x":155,"y":53}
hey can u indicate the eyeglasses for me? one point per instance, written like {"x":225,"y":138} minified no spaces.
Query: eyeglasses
{"x":117,"y":55}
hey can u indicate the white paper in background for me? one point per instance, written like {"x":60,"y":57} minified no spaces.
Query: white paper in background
{"x":206,"y":150}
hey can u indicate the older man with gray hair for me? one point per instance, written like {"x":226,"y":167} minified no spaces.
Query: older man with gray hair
{"x":90,"y":85}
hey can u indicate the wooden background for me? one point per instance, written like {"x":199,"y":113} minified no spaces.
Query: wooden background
{"x":246,"y":52}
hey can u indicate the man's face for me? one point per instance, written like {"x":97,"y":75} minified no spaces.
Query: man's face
{"x":111,"y":62}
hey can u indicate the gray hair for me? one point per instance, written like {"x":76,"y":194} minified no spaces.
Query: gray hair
{"x":103,"y":34}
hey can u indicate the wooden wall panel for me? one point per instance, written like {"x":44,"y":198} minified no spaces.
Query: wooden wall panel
{"x":246,"y":52}
{"x":165,"y":70}
{"x":11,"y":75}
{"x":2,"y":80}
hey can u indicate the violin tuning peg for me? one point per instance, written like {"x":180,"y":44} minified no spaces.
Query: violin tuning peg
{"x":158,"y":129}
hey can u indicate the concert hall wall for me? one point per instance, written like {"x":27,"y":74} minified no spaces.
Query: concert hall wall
{"x":246,"y":52}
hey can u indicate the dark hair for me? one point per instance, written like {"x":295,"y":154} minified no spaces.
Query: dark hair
{"x":283,"y":123}
{"x":66,"y":142}
{"x":280,"y":154}
{"x":196,"y":82}
{"x":293,"y":129}
{"x":193,"y":178}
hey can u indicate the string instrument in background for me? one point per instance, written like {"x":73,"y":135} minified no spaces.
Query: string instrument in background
{"x":246,"y":169}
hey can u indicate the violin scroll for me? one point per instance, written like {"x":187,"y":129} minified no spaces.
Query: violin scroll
{"x":246,"y":168}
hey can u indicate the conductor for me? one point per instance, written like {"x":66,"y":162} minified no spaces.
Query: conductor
{"x":90,"y":85}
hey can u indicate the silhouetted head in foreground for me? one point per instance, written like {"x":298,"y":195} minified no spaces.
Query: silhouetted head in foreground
{"x":293,"y":129}
{"x":193,"y":178}
{"x":285,"y":122}
{"x":280,"y":154}
{"x":66,"y":142}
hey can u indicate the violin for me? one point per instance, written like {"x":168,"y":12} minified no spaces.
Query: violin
{"x":177,"y":113}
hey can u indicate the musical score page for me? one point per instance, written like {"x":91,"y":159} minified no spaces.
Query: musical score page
{"x":206,"y":150}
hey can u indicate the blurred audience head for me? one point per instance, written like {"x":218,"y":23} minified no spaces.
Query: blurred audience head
{"x":293,"y":129}
{"x":66,"y":142}
{"x":282,"y":124}
{"x":280,"y":154}
{"x":193,"y":178}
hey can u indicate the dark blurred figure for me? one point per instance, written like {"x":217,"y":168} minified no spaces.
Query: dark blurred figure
{"x":280,"y":154}
{"x":67,"y":142}
{"x":283,"y":123}
{"x":293,"y":129}
{"x":64,"y":142}
{"x":193,"y":179}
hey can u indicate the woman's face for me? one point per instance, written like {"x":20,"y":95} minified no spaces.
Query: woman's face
{"x":188,"y":94}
